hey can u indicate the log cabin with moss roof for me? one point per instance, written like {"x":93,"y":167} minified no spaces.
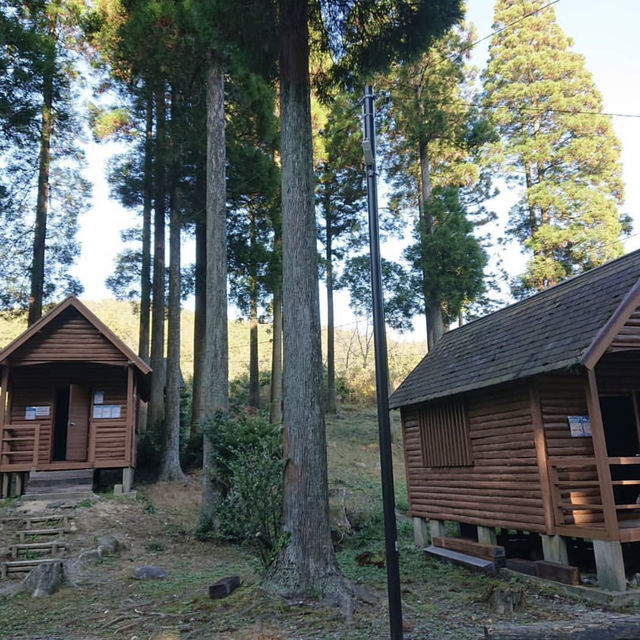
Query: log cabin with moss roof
{"x":528,"y":420}
{"x":69,"y":396}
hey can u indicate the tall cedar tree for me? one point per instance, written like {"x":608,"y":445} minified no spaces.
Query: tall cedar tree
{"x":434,"y":137}
{"x":554,"y":144}
{"x":39,"y":128}
{"x":340,"y":199}
{"x":252,"y":186}
{"x":364,"y":34}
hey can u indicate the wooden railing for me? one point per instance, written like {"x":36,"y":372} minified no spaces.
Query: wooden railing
{"x":576,"y":492}
{"x":19,"y":447}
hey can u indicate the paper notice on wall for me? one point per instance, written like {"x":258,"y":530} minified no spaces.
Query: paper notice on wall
{"x":580,"y":426}
{"x":32,"y":413}
{"x":98,"y":397}
{"x":105,"y":411}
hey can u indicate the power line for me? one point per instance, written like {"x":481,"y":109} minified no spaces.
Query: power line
{"x":507,"y":26}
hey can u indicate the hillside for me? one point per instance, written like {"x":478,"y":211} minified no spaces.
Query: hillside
{"x":354,"y":346}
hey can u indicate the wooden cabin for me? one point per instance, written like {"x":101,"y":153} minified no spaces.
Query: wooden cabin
{"x":69,"y":397}
{"x":528,"y":419}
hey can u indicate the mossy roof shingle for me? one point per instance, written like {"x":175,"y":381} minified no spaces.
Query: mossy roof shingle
{"x":549,"y":331}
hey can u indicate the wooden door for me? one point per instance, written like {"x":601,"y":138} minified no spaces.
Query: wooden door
{"x":78,"y":427}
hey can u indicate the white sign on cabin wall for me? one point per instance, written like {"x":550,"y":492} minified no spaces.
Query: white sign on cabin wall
{"x":106,"y":411}
{"x":580,"y":426}
{"x":42,"y":411}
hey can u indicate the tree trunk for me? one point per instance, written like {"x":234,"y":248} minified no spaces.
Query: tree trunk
{"x":306,"y":566}
{"x":145,"y":268}
{"x":171,"y":469}
{"x":156,"y":400}
{"x":197,"y":398}
{"x":433,"y":302}
{"x":332,"y":404}
{"x":254,"y":368}
{"x":42,"y":201}
{"x":275,"y":407}
{"x":216,"y":358}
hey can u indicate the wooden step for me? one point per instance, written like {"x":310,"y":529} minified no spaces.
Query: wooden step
{"x":23,"y":566}
{"x":39,"y":532}
{"x":63,"y":518}
{"x":65,"y":474}
{"x":65,"y":496}
{"x":47,"y":484}
{"x":50,"y":547}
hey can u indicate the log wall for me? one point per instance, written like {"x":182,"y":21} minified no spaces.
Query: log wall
{"x":108,"y":442}
{"x":502,"y":486}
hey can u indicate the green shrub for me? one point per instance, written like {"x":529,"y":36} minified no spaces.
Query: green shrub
{"x":247,"y":464}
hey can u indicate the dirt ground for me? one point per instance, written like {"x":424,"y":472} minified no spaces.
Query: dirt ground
{"x":103,"y":601}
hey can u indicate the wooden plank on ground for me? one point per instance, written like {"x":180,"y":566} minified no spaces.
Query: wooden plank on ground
{"x":520,"y":565}
{"x":462,"y":559}
{"x":559,"y":572}
{"x":492,"y":552}
{"x":613,"y":628}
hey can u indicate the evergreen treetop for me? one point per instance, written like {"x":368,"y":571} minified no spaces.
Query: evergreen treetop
{"x":556,"y":143}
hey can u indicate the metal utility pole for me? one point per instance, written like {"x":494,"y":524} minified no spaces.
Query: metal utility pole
{"x":382,"y":372}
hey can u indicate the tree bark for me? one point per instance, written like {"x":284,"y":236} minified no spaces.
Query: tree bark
{"x":156,"y":400}
{"x":197,"y":398}
{"x":275,"y":407}
{"x":332,"y":403}
{"x":145,"y":269}
{"x":433,"y":302}
{"x":216,"y":358}
{"x":42,"y":201}
{"x":171,"y":469}
{"x":306,"y":566}
{"x":254,"y":369}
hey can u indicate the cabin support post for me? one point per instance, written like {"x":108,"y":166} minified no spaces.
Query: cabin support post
{"x":602,"y":459}
{"x":609,"y":565}
{"x":554,"y":549}
{"x":436,"y":528}
{"x":19,"y":484}
{"x":5,"y":486}
{"x":420,"y":533}
{"x":487,"y":535}
{"x":127,"y":479}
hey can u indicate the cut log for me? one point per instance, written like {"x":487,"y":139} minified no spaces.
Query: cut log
{"x":224,"y":587}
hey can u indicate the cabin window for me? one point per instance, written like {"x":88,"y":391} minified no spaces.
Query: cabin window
{"x":444,"y":433}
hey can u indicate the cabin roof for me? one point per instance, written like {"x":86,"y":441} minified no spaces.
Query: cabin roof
{"x":72,"y":302}
{"x":564,"y":326}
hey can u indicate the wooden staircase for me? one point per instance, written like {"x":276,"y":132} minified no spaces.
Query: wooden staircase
{"x":59,"y":485}
{"x":35,"y":546}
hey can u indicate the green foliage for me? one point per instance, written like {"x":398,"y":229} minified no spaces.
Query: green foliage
{"x":247,"y":465}
{"x":450,"y":255}
{"x":554,"y":145}
{"x":434,"y":141}
{"x":38,"y":50}
{"x":239,"y":389}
